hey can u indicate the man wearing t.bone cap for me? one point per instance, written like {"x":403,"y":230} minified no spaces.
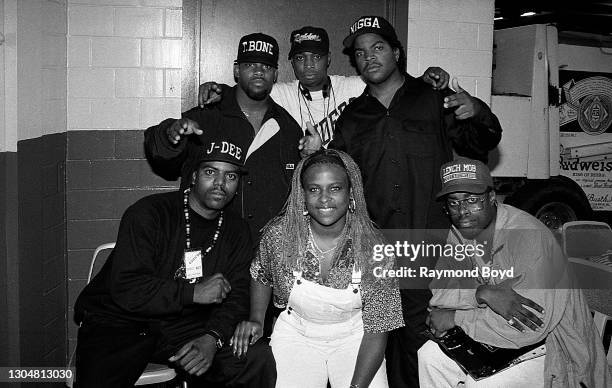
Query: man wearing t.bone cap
{"x":251,"y":119}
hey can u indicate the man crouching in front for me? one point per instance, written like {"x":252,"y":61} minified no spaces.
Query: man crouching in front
{"x":174,"y":287}
{"x":539,"y":314}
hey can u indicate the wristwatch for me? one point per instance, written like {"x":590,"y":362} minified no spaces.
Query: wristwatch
{"x":218,"y":338}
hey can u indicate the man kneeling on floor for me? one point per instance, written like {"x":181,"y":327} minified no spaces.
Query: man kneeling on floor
{"x":175,"y":286}
{"x":546,"y":320}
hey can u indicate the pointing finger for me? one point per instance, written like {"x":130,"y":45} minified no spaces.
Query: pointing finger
{"x":309,"y":128}
{"x":455,"y":84}
{"x":197,"y":130}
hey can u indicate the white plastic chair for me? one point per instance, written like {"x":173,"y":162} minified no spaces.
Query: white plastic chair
{"x":583,"y":243}
{"x":586,"y":238}
{"x":153,"y":373}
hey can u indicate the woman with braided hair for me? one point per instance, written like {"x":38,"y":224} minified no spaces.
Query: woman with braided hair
{"x":315,"y":258}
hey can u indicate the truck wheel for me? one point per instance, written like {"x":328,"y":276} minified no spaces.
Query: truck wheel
{"x":555,"y":214}
{"x":554,"y":202}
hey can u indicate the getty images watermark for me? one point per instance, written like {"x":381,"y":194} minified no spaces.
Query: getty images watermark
{"x":404,"y":250}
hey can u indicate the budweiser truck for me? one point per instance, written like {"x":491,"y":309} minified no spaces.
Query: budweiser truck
{"x":554,"y":101}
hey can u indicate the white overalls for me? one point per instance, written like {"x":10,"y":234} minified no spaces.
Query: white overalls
{"x":318,"y":336}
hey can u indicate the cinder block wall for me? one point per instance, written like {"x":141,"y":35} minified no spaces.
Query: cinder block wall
{"x":124,"y":75}
{"x":456,"y":35}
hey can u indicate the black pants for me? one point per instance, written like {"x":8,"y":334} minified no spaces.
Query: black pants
{"x":112,"y":354}
{"x":403,"y":343}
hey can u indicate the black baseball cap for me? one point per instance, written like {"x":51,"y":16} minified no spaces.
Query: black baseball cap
{"x":311,"y":39}
{"x":371,"y":24}
{"x":258,"y":48}
{"x":217,"y":150}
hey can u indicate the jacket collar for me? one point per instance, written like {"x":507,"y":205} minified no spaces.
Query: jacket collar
{"x":229,"y":105}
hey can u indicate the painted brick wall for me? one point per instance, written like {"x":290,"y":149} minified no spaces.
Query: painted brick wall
{"x":455,"y":35}
{"x":124,"y":75}
{"x":124,"y":61}
{"x":41,"y":68}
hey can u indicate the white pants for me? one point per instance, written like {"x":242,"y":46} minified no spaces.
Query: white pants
{"x":437,"y":370}
{"x":318,"y":337}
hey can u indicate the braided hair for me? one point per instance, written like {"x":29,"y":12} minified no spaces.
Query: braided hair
{"x":294,"y":223}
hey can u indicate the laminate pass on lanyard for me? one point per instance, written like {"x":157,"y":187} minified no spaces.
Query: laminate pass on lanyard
{"x":193,"y":263}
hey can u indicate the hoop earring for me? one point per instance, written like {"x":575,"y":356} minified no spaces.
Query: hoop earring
{"x":352,"y":205}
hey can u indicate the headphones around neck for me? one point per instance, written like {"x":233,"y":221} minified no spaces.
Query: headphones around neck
{"x":306,"y":93}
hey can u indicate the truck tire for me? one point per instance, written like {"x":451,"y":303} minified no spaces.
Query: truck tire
{"x":554,"y":201}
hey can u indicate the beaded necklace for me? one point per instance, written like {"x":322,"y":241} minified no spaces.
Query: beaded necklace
{"x":180,"y":273}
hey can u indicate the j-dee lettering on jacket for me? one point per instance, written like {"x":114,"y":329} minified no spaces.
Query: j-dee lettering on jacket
{"x":257,"y":45}
{"x":365,"y":22}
